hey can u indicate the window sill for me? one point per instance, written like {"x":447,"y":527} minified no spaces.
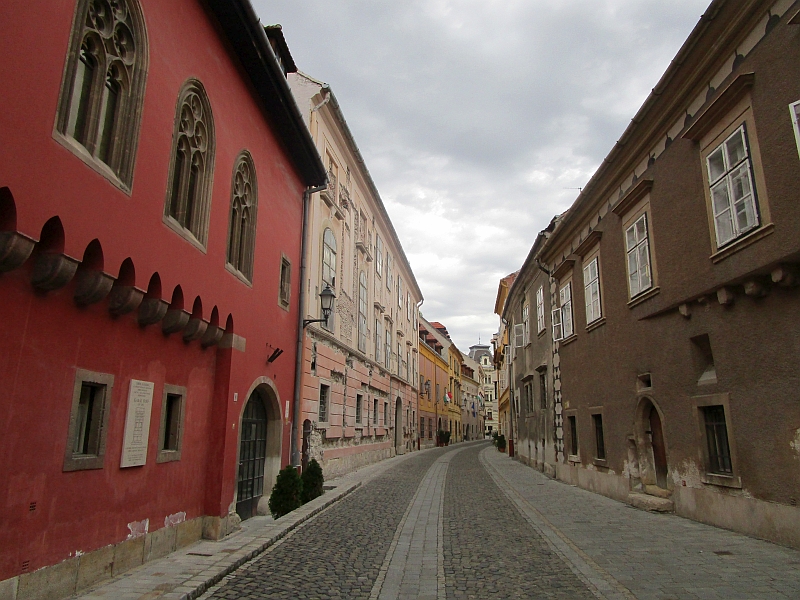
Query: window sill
{"x":93,"y":163}
{"x":568,"y":340}
{"x":596,"y":323}
{"x":743,"y":242}
{"x":600,"y":462}
{"x":78,"y":462}
{"x":238,"y":274}
{"x":284,"y":305}
{"x":168,"y":456}
{"x":574,"y":459}
{"x":184,"y":233}
{"x":643,"y":296}
{"x":722,"y":480}
{"x":541,"y":333}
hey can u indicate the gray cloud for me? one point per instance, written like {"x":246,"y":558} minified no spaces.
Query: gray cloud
{"x":475,"y":117}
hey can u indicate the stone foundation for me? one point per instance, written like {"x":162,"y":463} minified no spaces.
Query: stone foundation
{"x":81,"y":572}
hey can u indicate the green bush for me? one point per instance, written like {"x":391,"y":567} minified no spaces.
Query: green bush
{"x":312,"y":479}
{"x":495,"y":435}
{"x":501,"y":443}
{"x":285,"y":496}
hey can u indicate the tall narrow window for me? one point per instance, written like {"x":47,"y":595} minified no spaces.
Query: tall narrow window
{"x":171,"y":432}
{"x":525,"y":325}
{"x":730,"y":175}
{"x":286,"y":283}
{"x":324,"y":396}
{"x":591,"y":290}
{"x":375,"y":411}
{"x":378,"y":340}
{"x":378,"y":255}
{"x":388,"y":348}
{"x":573,"y":431}
{"x":359,"y":407}
{"x":638,"y":249}
{"x":242,"y":222}
{"x":562,"y":315}
{"x":600,"y":445}
{"x":103,"y":86}
{"x":189,"y":189}
{"x":362,"y":312}
{"x":328,"y":267}
{"x":719,"y":452}
{"x":543,"y":390}
{"x":540,"y":324}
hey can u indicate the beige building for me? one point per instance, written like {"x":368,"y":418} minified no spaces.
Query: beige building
{"x":482,"y":354}
{"x":359,"y":393}
{"x":472,"y":414}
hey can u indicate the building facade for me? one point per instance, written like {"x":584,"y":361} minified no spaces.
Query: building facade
{"x":482,"y":354}
{"x":359,"y":393}
{"x":147,"y":291}
{"x":433,"y":383}
{"x":472,"y":412}
{"x":673,"y":289}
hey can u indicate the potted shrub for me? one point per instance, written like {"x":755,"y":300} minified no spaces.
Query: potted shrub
{"x":312,"y":480}
{"x":285,"y":496}
{"x":446,"y":438}
{"x":501,"y":443}
{"x":440,"y":437}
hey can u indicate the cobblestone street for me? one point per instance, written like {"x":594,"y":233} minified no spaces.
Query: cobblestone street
{"x":467,"y":522}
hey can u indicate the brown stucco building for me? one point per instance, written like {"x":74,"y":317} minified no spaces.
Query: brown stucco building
{"x":671,"y":291}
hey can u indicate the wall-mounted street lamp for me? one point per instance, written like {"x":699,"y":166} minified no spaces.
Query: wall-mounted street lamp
{"x":326,"y":297}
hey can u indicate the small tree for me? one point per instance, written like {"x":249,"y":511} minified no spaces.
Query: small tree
{"x":285,"y":496}
{"x":312,"y":479}
{"x":501,"y":443}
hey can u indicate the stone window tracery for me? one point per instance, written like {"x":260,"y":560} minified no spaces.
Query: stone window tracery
{"x":103,"y":86}
{"x":192,"y":164}
{"x":242,"y":225}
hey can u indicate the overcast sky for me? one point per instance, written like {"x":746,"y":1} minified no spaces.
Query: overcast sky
{"x":477,"y":119}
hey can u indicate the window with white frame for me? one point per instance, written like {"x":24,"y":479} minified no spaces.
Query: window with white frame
{"x":562,"y":315}
{"x":591,"y":290}
{"x":388,"y":357}
{"x":730,"y":177}
{"x":378,"y":340}
{"x":399,"y":294}
{"x":389,"y":282}
{"x":525,"y":325}
{"x":378,"y":255}
{"x":637,"y":246}
{"x":794,"y":111}
{"x":540,"y":323}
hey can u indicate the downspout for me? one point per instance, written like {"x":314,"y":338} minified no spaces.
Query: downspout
{"x":298,"y":367}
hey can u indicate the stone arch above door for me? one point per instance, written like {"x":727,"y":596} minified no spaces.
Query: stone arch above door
{"x":650,"y":440}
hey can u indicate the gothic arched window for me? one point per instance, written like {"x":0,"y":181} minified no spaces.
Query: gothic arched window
{"x":242,"y":226}
{"x":102,"y":90}
{"x":192,"y":164}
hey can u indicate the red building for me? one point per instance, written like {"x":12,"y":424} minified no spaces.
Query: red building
{"x":152,"y":175}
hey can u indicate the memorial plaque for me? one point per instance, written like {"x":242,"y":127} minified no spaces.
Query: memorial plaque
{"x":137,"y":423}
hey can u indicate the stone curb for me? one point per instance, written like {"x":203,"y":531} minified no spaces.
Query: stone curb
{"x":247,"y":553}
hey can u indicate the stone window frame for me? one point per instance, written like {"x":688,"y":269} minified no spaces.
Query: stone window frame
{"x":586,"y":263}
{"x":541,"y":321}
{"x":733,"y":480}
{"x":240,"y":247}
{"x":202,"y":141}
{"x":596,"y":412}
{"x":74,"y":461}
{"x":327,"y":413}
{"x":794,"y":113}
{"x":630,"y":214}
{"x":732,"y":108}
{"x":564,"y":306}
{"x":571,"y":418}
{"x":285,"y":282}
{"x":111,"y":50}
{"x":166,"y":455}
{"x":359,"y":409}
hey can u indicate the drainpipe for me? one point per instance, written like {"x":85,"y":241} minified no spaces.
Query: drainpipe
{"x":298,"y":367}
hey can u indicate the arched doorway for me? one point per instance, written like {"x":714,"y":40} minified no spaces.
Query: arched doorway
{"x":650,"y":445}
{"x":398,"y":425}
{"x":260,"y":435}
{"x":252,"y":455}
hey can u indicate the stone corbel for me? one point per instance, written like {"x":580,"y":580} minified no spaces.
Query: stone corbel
{"x":151,"y":311}
{"x":123,"y":299}
{"x":195,"y":329}
{"x":91,"y":286}
{"x":725,"y":296}
{"x":15,"y":248}
{"x":755,"y":289}
{"x":212,"y":336}
{"x":175,"y":320}
{"x":53,"y":271}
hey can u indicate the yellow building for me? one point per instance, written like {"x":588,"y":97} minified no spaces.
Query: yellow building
{"x":454,"y":401}
{"x":433,"y":383}
{"x":502,"y":362}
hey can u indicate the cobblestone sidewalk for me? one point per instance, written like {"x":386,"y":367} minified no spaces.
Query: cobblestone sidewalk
{"x":189,"y":572}
{"x":628,"y":553}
